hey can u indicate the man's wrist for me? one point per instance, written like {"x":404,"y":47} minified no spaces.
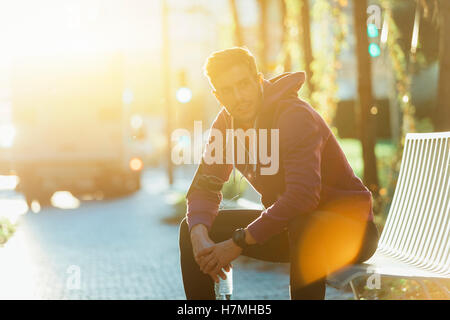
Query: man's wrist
{"x":234,"y":245}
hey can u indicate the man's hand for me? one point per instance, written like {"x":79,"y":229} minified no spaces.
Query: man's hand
{"x":214,"y":258}
{"x":200,"y":241}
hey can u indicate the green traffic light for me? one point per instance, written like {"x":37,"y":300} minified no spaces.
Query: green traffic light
{"x":374,"y":50}
{"x":372,"y":30}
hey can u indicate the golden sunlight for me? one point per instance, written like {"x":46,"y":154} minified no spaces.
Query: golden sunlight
{"x":8,"y":182}
{"x":35,"y":207}
{"x":54,"y":27}
{"x":19,"y":275}
{"x":7,"y":134}
{"x":12,"y":209}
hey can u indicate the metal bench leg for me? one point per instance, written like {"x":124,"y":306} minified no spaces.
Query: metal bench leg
{"x":355,"y":292}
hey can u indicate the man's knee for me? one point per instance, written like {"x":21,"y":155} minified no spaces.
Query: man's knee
{"x":184,"y":236}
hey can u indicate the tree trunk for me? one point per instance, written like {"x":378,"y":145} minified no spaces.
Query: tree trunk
{"x":238,"y":40}
{"x":442,"y":119}
{"x":365,"y":98}
{"x":287,"y":65}
{"x":306,"y":42}
{"x":263,"y":36}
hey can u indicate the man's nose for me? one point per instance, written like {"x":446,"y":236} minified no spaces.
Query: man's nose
{"x":237,"y":94}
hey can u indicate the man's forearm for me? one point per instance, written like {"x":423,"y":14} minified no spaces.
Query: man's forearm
{"x":199,"y":230}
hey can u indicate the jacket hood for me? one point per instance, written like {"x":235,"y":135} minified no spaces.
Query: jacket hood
{"x":285,"y":85}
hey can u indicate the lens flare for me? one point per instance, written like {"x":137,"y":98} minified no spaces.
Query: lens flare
{"x":331,"y":239}
{"x":65,"y":200}
{"x":184,"y":95}
{"x":136,"y":164}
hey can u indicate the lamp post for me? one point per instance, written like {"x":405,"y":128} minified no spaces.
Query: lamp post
{"x":183,"y":94}
{"x":166,"y":77}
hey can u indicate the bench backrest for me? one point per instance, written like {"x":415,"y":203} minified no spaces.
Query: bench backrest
{"x":417,"y":229}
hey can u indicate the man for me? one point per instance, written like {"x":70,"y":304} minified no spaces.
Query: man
{"x":318,"y":214}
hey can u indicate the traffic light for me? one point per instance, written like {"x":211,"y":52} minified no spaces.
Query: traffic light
{"x":374,"y":50}
{"x":372,"y":30}
{"x":372,"y":33}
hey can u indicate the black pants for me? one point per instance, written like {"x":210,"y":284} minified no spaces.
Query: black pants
{"x":284,"y":247}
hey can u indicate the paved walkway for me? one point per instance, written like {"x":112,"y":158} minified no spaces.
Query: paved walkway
{"x":120,"y":249}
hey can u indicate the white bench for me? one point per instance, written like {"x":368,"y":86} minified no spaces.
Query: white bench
{"x":415,"y":242}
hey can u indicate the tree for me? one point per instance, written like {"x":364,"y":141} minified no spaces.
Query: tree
{"x":306,"y":41}
{"x":287,"y":65}
{"x":442,"y":120}
{"x":365,"y":97}
{"x":238,"y":40}
{"x":262,"y":45}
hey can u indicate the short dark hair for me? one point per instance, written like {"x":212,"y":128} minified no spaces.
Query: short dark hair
{"x":222,"y":60}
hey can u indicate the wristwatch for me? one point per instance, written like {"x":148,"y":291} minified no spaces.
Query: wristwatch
{"x":239,"y":238}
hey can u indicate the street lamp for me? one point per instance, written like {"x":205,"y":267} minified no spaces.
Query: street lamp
{"x":184,"y":95}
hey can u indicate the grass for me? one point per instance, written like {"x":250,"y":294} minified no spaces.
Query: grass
{"x":6,"y":230}
{"x":384,"y":152}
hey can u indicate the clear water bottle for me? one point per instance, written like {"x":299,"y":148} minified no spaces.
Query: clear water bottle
{"x":224,"y":289}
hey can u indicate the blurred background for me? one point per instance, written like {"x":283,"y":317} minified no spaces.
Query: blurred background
{"x":90,"y":92}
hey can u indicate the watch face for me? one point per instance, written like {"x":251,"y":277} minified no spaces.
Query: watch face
{"x":235,"y":236}
{"x":242,"y":233}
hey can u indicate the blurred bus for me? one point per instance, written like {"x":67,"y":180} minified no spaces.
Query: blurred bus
{"x":72,"y":125}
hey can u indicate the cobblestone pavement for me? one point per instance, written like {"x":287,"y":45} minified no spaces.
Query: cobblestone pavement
{"x":120,"y":249}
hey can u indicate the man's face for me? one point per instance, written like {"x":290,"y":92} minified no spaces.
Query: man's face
{"x":239,"y":91}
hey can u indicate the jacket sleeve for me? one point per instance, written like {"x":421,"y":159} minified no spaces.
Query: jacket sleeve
{"x":300,"y":152}
{"x":204,"y":194}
